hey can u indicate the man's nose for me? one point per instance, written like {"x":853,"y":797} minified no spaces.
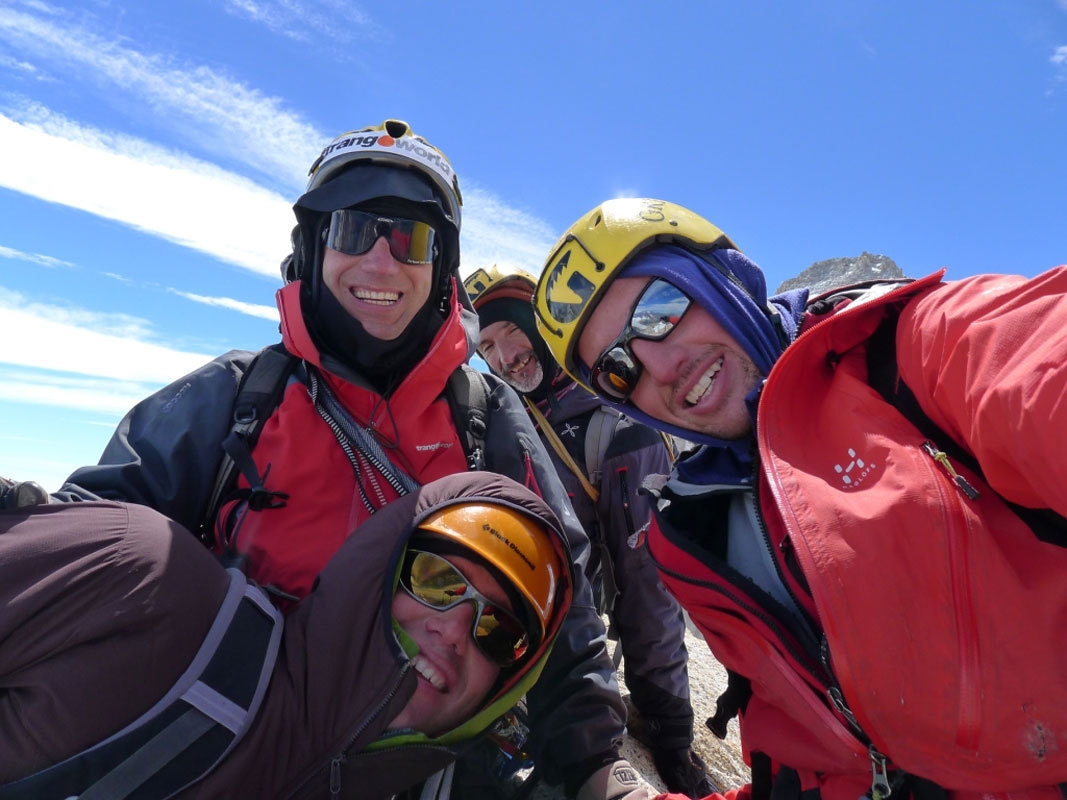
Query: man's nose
{"x":454,"y":625}
{"x":659,"y":360}
{"x":379,"y":257}
{"x":510,"y":351}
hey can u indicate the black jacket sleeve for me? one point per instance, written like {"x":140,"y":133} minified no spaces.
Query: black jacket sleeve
{"x":166,"y":450}
{"x":577,"y":714}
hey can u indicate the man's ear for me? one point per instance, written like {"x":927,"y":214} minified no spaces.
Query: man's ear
{"x":292,"y":265}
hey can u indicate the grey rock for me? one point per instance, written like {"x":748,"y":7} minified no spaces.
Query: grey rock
{"x":823,"y":275}
{"x":707,"y":680}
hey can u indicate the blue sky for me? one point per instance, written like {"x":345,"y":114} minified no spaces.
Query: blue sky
{"x":150,"y":153}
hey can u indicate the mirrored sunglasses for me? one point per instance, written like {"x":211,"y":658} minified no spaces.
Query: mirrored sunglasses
{"x":654,"y":315}
{"x":437,"y":583}
{"x":355,"y":232}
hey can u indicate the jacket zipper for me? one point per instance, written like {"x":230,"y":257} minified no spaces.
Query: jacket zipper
{"x":942,"y":461}
{"x":753,"y":503}
{"x":338,"y":760}
{"x":969,"y":658}
{"x":800,"y":656}
{"x":624,"y":489}
{"x":880,"y":787}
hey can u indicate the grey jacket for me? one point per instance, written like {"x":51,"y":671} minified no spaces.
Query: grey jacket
{"x":101,"y":621}
{"x":648,"y":619}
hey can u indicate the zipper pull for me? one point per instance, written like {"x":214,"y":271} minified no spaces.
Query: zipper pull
{"x":941,"y":458}
{"x":476,"y":460}
{"x":335,"y":775}
{"x":838,"y":700}
{"x":880,"y":788}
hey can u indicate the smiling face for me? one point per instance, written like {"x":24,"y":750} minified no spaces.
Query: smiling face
{"x":454,"y":676}
{"x":507,"y":351}
{"x":383,"y":294}
{"x":696,"y":378}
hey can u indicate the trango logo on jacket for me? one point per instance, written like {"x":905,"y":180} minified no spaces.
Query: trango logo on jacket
{"x":409,"y":147}
{"x":422,"y":448}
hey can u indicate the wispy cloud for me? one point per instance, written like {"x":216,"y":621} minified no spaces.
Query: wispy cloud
{"x":1059,"y":66}
{"x":187,"y":200}
{"x":220,"y":115}
{"x":114,"y":398}
{"x":162,"y":192}
{"x":251,"y":309}
{"x":15,"y":65}
{"x":33,"y":258}
{"x":338,"y":21}
{"x":72,"y":341}
{"x":496,"y":233}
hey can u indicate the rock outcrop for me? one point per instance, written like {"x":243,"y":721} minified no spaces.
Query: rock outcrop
{"x":823,"y":275}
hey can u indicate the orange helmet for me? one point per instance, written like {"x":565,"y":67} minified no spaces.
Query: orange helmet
{"x":522,"y":548}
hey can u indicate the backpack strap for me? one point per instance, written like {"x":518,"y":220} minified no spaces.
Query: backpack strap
{"x":468,"y":398}
{"x":598,"y":435}
{"x":258,"y":394}
{"x":193,"y":727}
{"x":553,"y":439}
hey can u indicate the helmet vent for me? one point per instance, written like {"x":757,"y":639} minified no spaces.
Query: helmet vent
{"x":396,"y":128}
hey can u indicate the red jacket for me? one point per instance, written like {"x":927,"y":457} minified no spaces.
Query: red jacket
{"x":303,"y":456}
{"x":941,"y":617}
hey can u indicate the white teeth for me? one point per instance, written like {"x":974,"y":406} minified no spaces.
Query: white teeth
{"x":426,"y":670}
{"x":379,"y":298}
{"x":704,"y":383}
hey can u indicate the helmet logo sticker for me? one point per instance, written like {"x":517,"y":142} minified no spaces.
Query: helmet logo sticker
{"x":511,"y":545}
{"x":653,"y":211}
{"x":477,"y":283}
{"x":408,"y":146}
{"x":560,"y":305}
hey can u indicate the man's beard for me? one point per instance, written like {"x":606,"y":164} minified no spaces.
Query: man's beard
{"x":526,"y":380}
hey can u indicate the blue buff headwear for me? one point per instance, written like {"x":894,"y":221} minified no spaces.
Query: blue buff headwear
{"x":729,"y":286}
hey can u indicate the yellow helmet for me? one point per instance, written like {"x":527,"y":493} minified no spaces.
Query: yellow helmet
{"x":487,"y":283}
{"x":594,"y":249}
{"x":393,"y":143}
{"x":521,"y":547}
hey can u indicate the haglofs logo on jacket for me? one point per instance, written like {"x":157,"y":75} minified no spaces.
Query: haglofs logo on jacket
{"x":853,"y":470}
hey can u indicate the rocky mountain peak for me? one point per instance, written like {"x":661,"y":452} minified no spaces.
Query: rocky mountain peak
{"x":823,"y":275}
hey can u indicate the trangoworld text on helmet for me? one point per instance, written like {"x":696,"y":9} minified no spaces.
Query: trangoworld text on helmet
{"x":391,"y":143}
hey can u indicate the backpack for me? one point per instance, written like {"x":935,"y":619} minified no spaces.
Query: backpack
{"x":190,"y":729}
{"x":260,"y":392}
